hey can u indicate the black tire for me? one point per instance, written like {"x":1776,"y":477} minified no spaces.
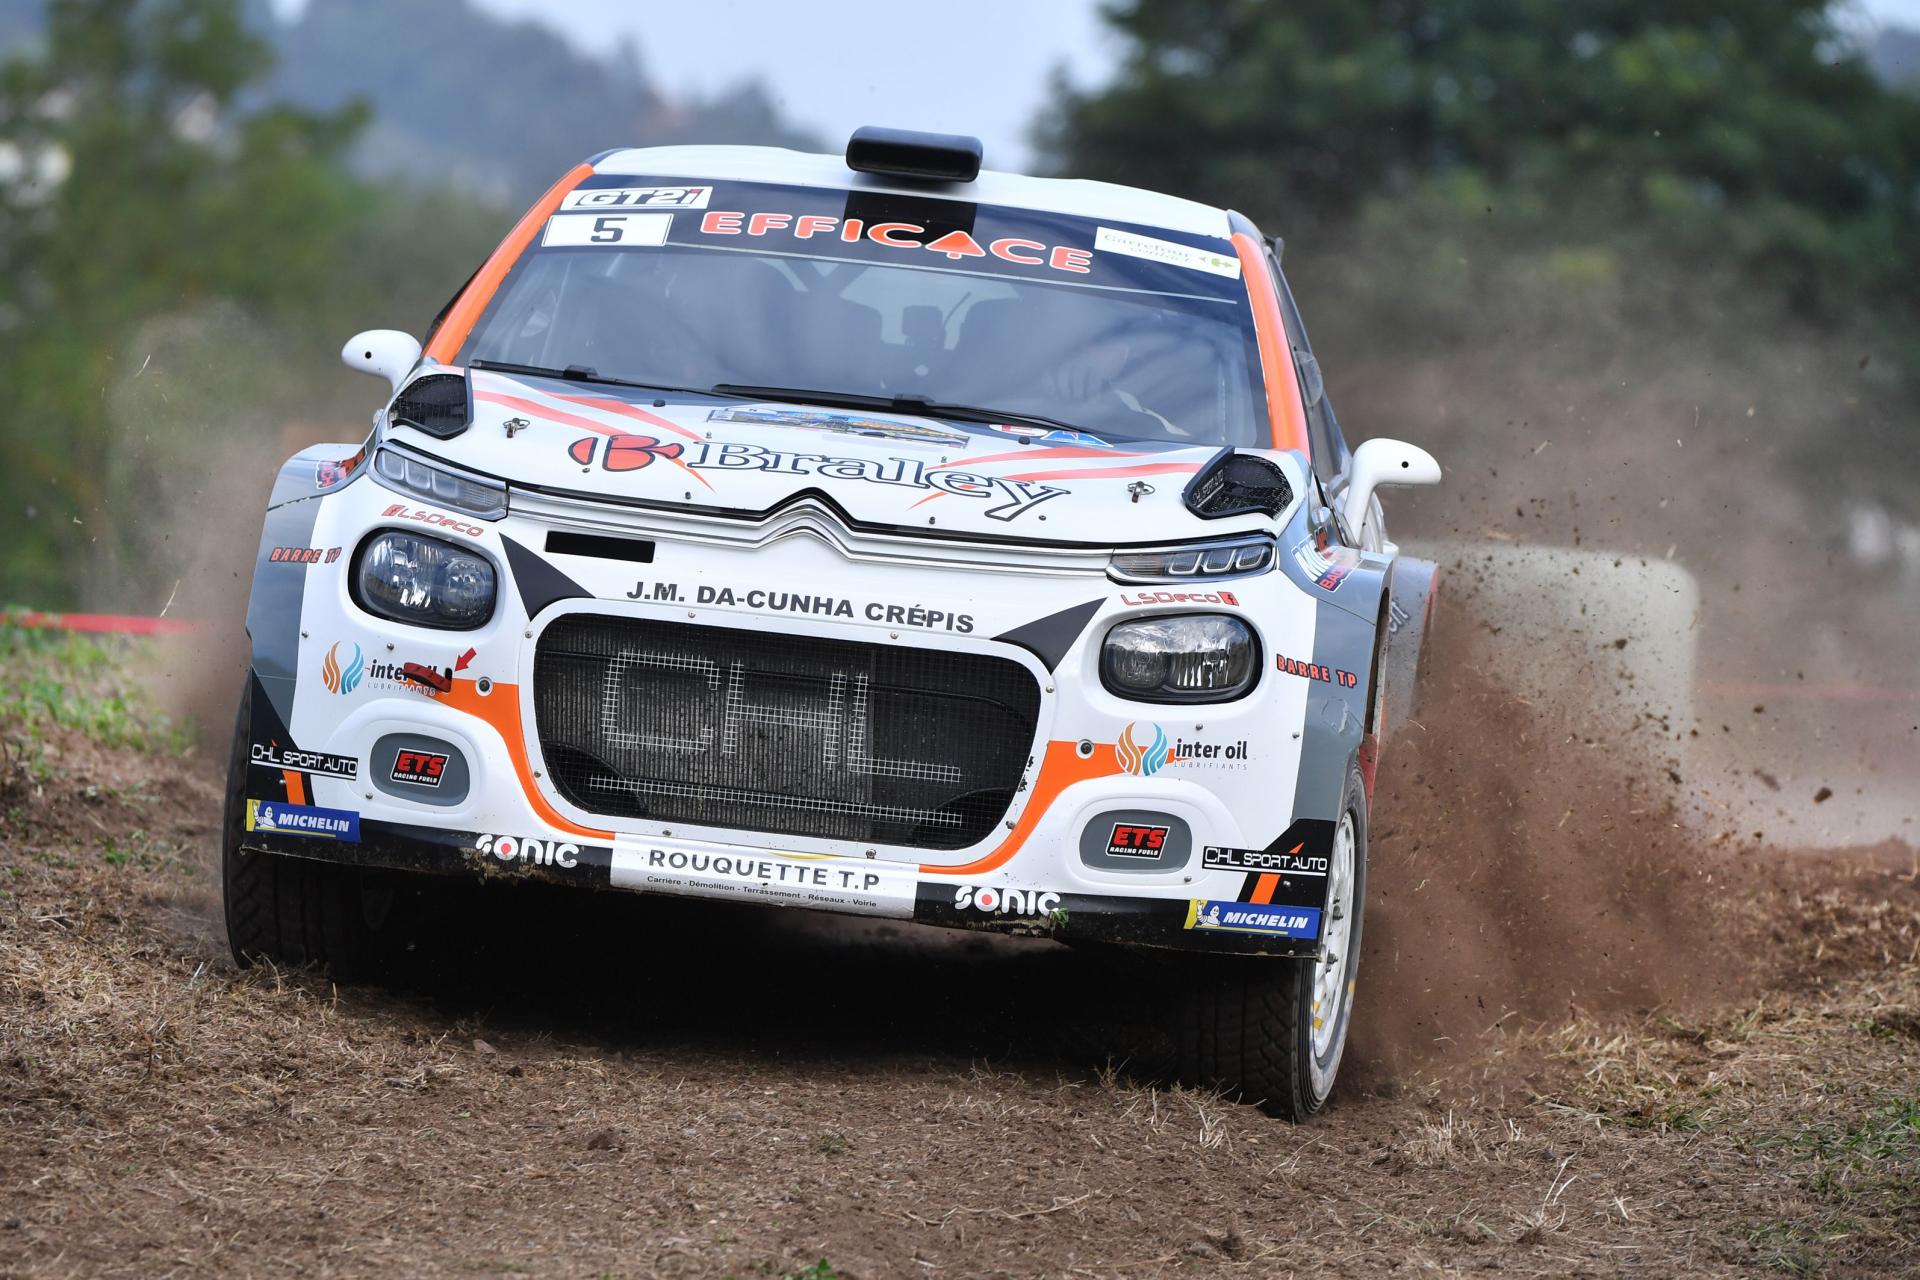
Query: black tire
{"x":295,"y":911}
{"x":1244,"y":1024}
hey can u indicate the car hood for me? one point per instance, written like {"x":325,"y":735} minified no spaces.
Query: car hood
{"x":882,"y":469}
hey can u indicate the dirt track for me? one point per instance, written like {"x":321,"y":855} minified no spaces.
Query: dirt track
{"x":603,"y":1085}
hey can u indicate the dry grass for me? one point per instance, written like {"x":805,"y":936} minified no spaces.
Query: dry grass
{"x":891,"y":1103}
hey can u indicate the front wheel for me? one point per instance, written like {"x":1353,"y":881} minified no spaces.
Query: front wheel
{"x":1273,"y":1031}
{"x":294,"y":911}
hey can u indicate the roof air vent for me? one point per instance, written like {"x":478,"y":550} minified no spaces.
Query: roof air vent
{"x":1236,"y":484}
{"x":925,"y":157}
{"x":435,"y":404}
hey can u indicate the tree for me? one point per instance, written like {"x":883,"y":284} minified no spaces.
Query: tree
{"x":141,"y":182}
{"x":1750,"y":131}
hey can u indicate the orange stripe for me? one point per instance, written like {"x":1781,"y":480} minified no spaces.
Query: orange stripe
{"x":501,"y":710}
{"x":1060,"y":768}
{"x":1263,"y":888}
{"x":473,"y":300}
{"x":1285,"y":412}
{"x":607,"y":405}
{"x":296,"y":787}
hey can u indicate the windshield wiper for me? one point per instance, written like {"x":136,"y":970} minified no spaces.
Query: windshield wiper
{"x":921,"y":405}
{"x":583,"y":373}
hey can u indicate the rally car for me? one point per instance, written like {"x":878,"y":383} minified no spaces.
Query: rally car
{"x":872,"y":534}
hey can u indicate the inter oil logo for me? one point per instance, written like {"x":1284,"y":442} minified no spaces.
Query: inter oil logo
{"x":1141,"y":754}
{"x":342,"y":679}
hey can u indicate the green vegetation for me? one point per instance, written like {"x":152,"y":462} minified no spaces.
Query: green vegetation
{"x":50,"y":679}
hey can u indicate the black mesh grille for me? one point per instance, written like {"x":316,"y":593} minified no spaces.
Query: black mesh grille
{"x":437,"y":404}
{"x":866,"y":743}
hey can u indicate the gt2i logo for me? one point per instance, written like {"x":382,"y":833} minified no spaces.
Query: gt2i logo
{"x":303,"y":555}
{"x":532,"y":853}
{"x":420,"y":768}
{"x":342,"y":677}
{"x":956,"y":245}
{"x":1020,"y":496}
{"x":621,"y":452}
{"x":1314,"y":671}
{"x":401,"y":511}
{"x":603,"y":198}
{"x":995,"y":901}
{"x":1134,"y":840}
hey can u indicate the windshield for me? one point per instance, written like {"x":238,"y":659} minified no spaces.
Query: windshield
{"x":1117,"y":331}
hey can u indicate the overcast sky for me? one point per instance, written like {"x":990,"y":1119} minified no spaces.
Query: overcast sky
{"x":979,"y":68}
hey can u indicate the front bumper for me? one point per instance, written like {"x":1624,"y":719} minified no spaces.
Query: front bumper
{"x":1198,"y":827}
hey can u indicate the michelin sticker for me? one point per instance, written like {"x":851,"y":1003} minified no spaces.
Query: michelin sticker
{"x":857,"y":886}
{"x":574,"y":230}
{"x":1133,"y":245}
{"x":302,"y":820}
{"x":1254,"y":917}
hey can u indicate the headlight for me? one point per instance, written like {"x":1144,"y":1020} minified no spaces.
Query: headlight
{"x":1210,"y":560}
{"x":436,"y":483}
{"x":1200,"y":657}
{"x":423,"y":581}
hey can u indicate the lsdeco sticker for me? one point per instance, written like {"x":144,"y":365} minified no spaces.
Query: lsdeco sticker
{"x":302,"y":820}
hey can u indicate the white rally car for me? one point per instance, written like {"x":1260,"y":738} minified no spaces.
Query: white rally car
{"x":875,"y":535}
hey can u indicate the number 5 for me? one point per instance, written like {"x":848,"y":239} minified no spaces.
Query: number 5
{"x":609,"y":229}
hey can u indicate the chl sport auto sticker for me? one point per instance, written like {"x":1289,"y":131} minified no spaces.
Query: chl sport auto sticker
{"x":274,"y":756}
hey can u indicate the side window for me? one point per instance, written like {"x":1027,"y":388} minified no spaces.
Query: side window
{"x":1323,"y":428}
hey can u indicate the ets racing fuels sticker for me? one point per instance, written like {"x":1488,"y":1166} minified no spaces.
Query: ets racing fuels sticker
{"x":420,"y":768}
{"x":1136,"y":840}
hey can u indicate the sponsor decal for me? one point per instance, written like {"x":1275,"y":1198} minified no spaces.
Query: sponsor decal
{"x":621,"y":452}
{"x":606,"y":230}
{"x":996,"y":901}
{"x":421,"y":768}
{"x":1253,"y":917}
{"x":918,"y":617}
{"x":532,"y":853}
{"x":843,"y":424}
{"x":1143,"y":749}
{"x":1049,"y":435}
{"x":1314,"y":671}
{"x":1180,"y":597}
{"x":329,"y":473}
{"x":302,"y":820}
{"x":303,"y":555}
{"x":1134,"y":245}
{"x":1315,"y":563}
{"x":1290,"y":862}
{"x":1136,"y":840}
{"x":401,"y":511}
{"x":272,"y":755}
{"x":1016,"y":497}
{"x":605,"y":198}
{"x":1396,"y":617}
{"x":862,"y":887}
{"x":342,"y":676}
{"x":956,"y":245}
